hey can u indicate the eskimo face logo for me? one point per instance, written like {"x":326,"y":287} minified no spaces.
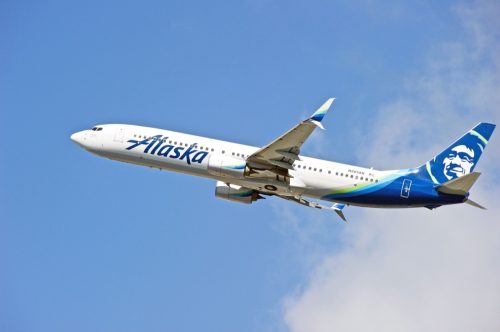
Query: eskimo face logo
{"x":458,"y":162}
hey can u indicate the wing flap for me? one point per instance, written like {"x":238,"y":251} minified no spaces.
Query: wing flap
{"x":281,"y":164}
{"x":288,"y":155}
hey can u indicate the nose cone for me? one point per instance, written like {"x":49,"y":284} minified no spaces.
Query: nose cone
{"x":78,"y":138}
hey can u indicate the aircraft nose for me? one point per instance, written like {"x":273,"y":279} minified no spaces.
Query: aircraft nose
{"x":78,"y":137}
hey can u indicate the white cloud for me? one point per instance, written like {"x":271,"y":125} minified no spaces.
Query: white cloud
{"x":418,"y":271}
{"x":421,"y":270}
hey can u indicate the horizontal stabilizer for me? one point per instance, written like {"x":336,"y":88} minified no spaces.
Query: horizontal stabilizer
{"x":459,"y":186}
{"x":468,"y":201}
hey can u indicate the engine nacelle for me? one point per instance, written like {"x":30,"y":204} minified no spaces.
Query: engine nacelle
{"x":236,"y":193}
{"x":229,"y":167}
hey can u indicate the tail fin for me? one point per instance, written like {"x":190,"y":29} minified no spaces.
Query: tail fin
{"x":461,"y":157}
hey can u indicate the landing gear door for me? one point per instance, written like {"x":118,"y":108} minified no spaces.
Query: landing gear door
{"x":119,"y":135}
{"x":405,"y":188}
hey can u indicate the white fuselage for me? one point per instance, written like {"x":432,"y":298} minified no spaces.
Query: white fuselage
{"x":311,"y":177}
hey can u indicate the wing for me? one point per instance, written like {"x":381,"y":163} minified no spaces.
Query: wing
{"x":337,"y":207}
{"x":279,"y":155}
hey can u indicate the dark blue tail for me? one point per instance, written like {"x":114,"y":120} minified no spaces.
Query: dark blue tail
{"x":461,"y":157}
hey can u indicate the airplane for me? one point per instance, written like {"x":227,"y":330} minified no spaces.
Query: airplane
{"x":246,"y":173}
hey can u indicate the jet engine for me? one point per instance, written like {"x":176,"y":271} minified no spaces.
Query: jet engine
{"x":225,"y":166}
{"x":236,"y":193}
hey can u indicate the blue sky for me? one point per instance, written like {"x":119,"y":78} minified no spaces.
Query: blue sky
{"x":88,"y":244}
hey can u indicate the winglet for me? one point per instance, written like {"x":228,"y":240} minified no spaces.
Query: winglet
{"x":321,"y":112}
{"x":337,"y":207}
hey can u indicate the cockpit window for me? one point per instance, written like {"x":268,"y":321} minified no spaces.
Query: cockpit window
{"x":96,"y":129}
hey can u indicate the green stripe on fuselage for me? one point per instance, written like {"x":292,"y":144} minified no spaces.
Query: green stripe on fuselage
{"x":381,"y":182}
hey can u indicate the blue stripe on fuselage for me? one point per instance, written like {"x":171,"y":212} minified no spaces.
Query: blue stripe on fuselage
{"x":422,"y":193}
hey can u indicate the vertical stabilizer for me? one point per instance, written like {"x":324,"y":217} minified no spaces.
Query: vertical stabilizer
{"x":461,"y":157}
